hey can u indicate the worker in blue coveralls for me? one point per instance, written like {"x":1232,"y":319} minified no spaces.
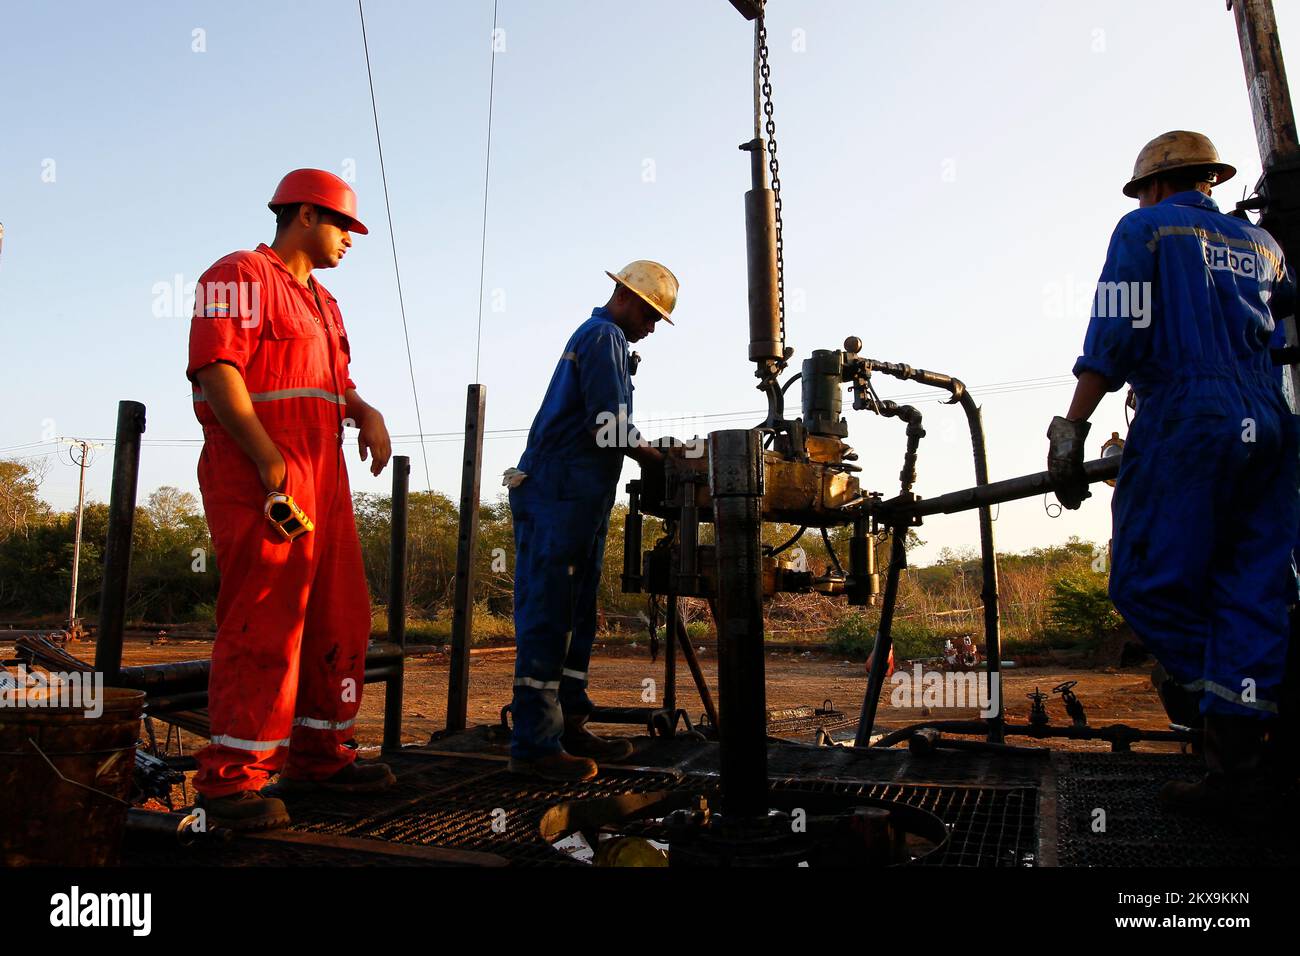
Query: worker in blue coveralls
{"x":560,"y":499}
{"x":1206,"y":506}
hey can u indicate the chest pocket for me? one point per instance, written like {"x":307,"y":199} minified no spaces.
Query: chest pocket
{"x":293,"y":351}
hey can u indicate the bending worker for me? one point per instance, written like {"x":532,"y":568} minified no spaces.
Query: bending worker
{"x":560,"y":498}
{"x":1205,"y":508}
{"x":269,"y":362}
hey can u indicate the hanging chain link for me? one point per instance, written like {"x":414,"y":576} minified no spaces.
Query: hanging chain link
{"x":774,"y":168}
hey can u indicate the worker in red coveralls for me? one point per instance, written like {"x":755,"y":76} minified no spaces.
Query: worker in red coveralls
{"x":268,"y":360}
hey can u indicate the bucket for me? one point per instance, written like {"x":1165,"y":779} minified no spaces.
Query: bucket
{"x":65,"y":780}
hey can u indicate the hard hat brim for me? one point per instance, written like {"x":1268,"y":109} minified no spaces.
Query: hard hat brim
{"x":357,"y":226}
{"x":1224,"y":170}
{"x":648,"y":302}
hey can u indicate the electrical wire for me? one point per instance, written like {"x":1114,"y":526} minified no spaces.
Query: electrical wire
{"x":392,"y":239}
{"x":434,"y":438}
{"x":487,"y":170}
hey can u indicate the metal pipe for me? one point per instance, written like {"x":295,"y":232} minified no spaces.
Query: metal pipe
{"x":760,"y":259}
{"x":183,"y":677}
{"x":736,"y":483}
{"x":1275,"y":132}
{"x":397,"y":538}
{"x":1122,"y":734}
{"x":1011,"y":489}
{"x":1270,"y":96}
{"x":466,"y":552}
{"x":117,"y":547}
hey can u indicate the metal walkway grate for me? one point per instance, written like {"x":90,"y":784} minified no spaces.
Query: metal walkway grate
{"x":1139,"y":833}
{"x":988,"y":826}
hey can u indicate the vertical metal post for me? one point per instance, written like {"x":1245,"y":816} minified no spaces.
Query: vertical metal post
{"x":397,"y":541}
{"x":736,"y":481}
{"x":1270,"y":97}
{"x":117,"y":547}
{"x":462,"y":628}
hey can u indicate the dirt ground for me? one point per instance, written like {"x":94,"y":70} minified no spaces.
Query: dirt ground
{"x":794,"y":678}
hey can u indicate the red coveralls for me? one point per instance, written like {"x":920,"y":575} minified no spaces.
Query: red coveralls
{"x":293,"y":618}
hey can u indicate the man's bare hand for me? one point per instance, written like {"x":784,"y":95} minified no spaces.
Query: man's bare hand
{"x":273,"y":472}
{"x":373,"y":440}
{"x":647,"y":456}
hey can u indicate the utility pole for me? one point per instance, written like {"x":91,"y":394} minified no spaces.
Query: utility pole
{"x":81,"y":458}
{"x":1278,"y":193}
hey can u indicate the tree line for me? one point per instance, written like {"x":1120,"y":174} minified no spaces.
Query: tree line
{"x":1050,"y":595}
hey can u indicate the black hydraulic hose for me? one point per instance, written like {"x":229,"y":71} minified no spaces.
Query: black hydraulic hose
{"x":797,"y":535}
{"x":897,"y":557}
{"x":988,"y":554}
{"x":884,"y":641}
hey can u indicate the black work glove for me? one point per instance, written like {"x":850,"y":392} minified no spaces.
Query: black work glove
{"x":1065,"y":461}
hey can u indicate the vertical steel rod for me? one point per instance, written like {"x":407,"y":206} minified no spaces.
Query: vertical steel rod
{"x":462,"y":628}
{"x":736,"y":481}
{"x":397,"y":550}
{"x":117,"y":547}
{"x":670,"y":650}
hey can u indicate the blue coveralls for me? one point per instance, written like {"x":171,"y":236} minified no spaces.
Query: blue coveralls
{"x":561,"y":517}
{"x":1206,"y":508}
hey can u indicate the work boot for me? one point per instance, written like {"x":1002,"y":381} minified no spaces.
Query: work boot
{"x":1182,"y":706}
{"x":579,"y":740}
{"x":556,"y":766}
{"x":1233,"y":782}
{"x":246,"y":811}
{"x":360,"y":776}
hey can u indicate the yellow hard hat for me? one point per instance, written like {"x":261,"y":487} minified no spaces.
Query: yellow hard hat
{"x":652,"y":282}
{"x":1176,"y":149}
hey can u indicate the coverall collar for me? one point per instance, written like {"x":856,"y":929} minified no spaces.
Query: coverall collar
{"x":276,"y":261}
{"x":1190,"y":197}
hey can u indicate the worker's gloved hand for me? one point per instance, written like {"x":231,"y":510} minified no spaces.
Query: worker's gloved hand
{"x":1065,"y":461}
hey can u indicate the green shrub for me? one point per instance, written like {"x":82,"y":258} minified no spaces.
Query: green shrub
{"x":854,"y":635}
{"x":699,"y":630}
{"x":437,"y":628}
{"x":1079,"y":611}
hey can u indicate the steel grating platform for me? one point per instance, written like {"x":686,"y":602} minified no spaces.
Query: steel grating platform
{"x":1138,"y":833}
{"x":461,"y":806}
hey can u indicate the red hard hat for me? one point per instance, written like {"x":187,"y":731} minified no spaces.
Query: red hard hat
{"x":319,"y":188}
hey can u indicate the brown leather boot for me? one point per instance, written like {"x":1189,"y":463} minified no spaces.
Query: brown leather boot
{"x":557,"y":766}
{"x":1234,"y":781}
{"x":360,"y":776}
{"x":246,"y":811}
{"x":579,"y":740}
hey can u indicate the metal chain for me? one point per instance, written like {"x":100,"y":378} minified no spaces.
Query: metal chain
{"x":774,"y":168}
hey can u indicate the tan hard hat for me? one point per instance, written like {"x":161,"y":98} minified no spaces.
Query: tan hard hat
{"x":652,"y":282}
{"x":1176,"y":149}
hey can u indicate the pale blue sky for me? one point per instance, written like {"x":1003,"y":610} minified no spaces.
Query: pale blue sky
{"x":951,"y":176}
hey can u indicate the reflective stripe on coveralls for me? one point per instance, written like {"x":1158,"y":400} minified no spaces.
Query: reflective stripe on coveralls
{"x":287,"y":393}
{"x":561,"y":518}
{"x":1206,"y":507}
{"x":293,"y":618}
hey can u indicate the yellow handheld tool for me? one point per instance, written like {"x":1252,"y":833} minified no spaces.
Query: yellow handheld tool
{"x":283,"y":512}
